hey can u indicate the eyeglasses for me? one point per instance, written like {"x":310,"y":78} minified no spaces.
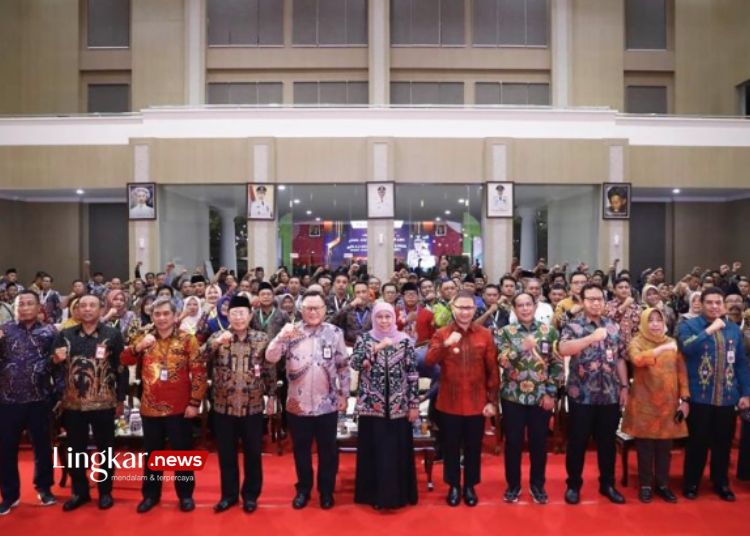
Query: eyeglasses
{"x":464,"y":307}
{"x":311,"y":308}
{"x":594,"y":300}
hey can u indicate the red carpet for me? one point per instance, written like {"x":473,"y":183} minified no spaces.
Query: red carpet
{"x":707,"y":515}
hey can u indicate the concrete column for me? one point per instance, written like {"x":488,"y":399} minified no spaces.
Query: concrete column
{"x":262,"y":243}
{"x":195,"y":52}
{"x":614,"y":235}
{"x":379,"y":51}
{"x":144,"y":235}
{"x":380,"y":239}
{"x":228,"y":249}
{"x":497,"y":234}
{"x":528,"y":237}
{"x":561,"y":36}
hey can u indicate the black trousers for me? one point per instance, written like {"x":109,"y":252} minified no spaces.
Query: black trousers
{"x":743,"y":460}
{"x":518,"y":419}
{"x":322,"y":428}
{"x":77,"y":424}
{"x":14,"y":418}
{"x":179,"y":431}
{"x":249,"y":430}
{"x":459,"y":432}
{"x":709,"y":427}
{"x":599,"y":421}
{"x":653,"y":458}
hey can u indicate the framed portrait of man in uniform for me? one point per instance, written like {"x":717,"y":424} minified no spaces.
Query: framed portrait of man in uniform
{"x":141,"y":201}
{"x":616,"y":200}
{"x":499,"y":199}
{"x":261,"y":201}
{"x":381,"y":202}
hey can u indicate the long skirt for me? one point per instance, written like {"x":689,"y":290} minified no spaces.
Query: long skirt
{"x":386,"y":475}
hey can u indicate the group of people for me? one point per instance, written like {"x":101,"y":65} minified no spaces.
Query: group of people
{"x":539,"y":343}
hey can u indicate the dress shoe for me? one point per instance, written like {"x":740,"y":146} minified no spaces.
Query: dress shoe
{"x":224,"y":505}
{"x":690,"y":493}
{"x":326,"y":501}
{"x":470,"y":496}
{"x":538,"y":495}
{"x":76,"y":501}
{"x":511,"y":495}
{"x":454,"y":496}
{"x":300,"y":500}
{"x":146,"y":504}
{"x":187,"y":504}
{"x":250,"y":505}
{"x":572,"y":496}
{"x":665,"y":493}
{"x":645,"y":494}
{"x":725,"y":494}
{"x":6,"y":506}
{"x":46,"y":498}
{"x":106,"y":501}
{"x":612,"y":494}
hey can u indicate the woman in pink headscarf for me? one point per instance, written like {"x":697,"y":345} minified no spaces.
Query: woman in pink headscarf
{"x":387,"y":404}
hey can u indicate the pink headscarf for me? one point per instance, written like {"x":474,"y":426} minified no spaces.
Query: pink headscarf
{"x":393,"y":333}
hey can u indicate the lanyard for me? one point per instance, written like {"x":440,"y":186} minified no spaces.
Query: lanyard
{"x":361,"y":319}
{"x":337,"y":304}
{"x":264,"y":322}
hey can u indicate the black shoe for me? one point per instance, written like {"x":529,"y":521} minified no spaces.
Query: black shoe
{"x":645,"y":494}
{"x":538,"y":495}
{"x":300,"y":500}
{"x":6,"y":506}
{"x":612,"y":494}
{"x":250,"y":505}
{"x":690,"y":493}
{"x":665,"y":493}
{"x":106,"y":501}
{"x":76,"y":501}
{"x":326,"y":501}
{"x":187,"y":504}
{"x":224,"y":505}
{"x":470,"y":496}
{"x":146,"y":504}
{"x":725,"y":494}
{"x":46,"y":498}
{"x":511,"y":495}
{"x":572,"y":496}
{"x":454,"y":496}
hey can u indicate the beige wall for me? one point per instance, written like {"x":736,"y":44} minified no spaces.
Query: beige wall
{"x":158,"y":53}
{"x":696,"y":167}
{"x":42,"y":236}
{"x":701,"y":236}
{"x":597,"y":53}
{"x":39,"y":60}
{"x":712,"y":47}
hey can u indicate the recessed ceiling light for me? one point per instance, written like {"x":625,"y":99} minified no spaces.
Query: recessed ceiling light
{"x":461,"y":201}
{"x":296,"y":201}
{"x":676,"y":191}
{"x":80,"y":192}
{"x":437,"y":219}
{"x":308,"y":212}
{"x":282,"y":187}
{"x":447,"y":212}
{"x":317,"y":219}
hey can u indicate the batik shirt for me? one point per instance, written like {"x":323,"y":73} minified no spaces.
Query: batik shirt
{"x":390,"y":387}
{"x":527,"y":375}
{"x":317,"y":367}
{"x":717,"y":365}
{"x":93,"y":377}
{"x":25,"y":364}
{"x":593,"y":378}
{"x":628,"y":320}
{"x":240,"y":374}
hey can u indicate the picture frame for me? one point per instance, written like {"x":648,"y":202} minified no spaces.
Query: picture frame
{"x":499,"y":199}
{"x":616,"y":199}
{"x":261,"y":201}
{"x":440,"y":229}
{"x":141,"y":201}
{"x":314,"y":231}
{"x":381,"y":200}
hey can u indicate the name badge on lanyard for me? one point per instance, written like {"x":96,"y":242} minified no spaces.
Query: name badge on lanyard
{"x":730,"y":357}
{"x":327,"y":352}
{"x":545,"y":347}
{"x":101,"y":351}
{"x":256,"y":369}
{"x":164,"y":374}
{"x":610,"y":355}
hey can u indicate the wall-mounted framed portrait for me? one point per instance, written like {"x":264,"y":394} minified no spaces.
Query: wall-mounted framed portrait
{"x":499,"y":199}
{"x":616,"y":200}
{"x":141,"y":201}
{"x":261,"y":201}
{"x":381,"y":201}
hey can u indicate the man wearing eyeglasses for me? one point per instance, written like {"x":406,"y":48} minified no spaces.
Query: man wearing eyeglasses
{"x":597,"y":390}
{"x":469,"y":382}
{"x":317,"y":367}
